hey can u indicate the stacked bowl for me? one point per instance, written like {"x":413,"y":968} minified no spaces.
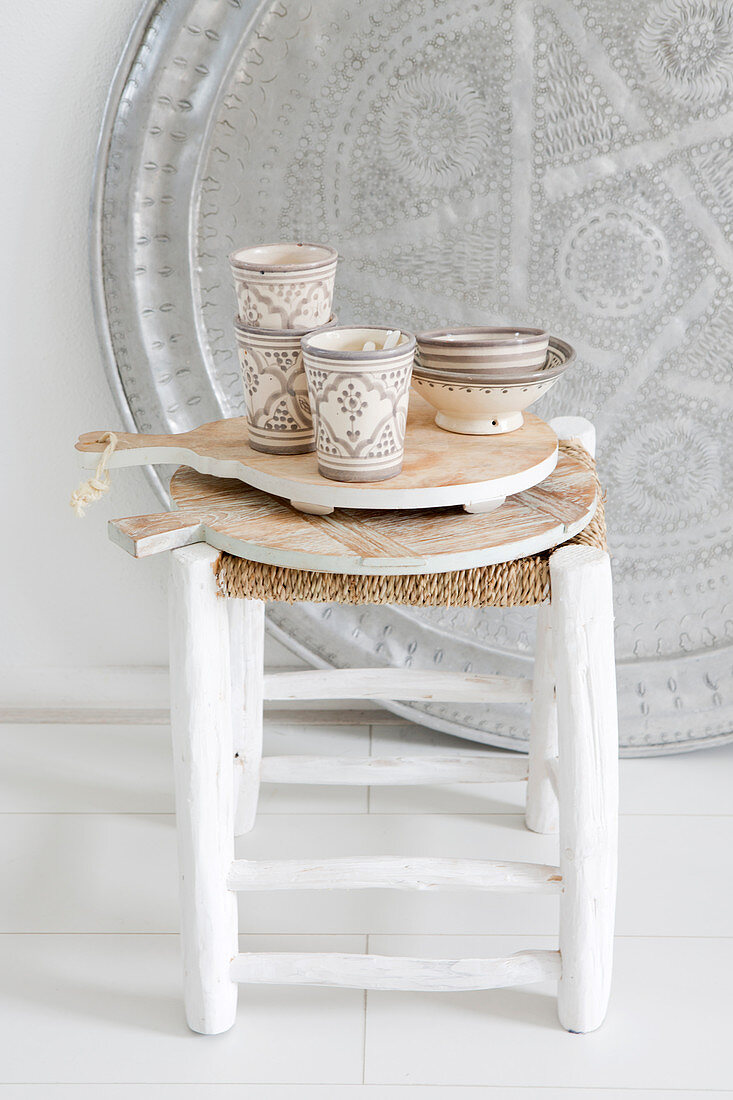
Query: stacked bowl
{"x":284,"y":292}
{"x":479,"y":380}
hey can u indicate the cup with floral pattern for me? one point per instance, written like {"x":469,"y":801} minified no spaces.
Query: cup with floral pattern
{"x":359,"y":397}
{"x":275,"y":388}
{"x":284,"y":286}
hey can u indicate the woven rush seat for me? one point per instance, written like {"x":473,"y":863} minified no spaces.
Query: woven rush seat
{"x":519,"y":583}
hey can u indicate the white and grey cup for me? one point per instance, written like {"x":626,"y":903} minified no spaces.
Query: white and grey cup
{"x":359,"y":400}
{"x":275,"y":388}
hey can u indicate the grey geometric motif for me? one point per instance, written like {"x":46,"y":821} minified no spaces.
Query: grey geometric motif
{"x":686,"y":49}
{"x":276,"y":387}
{"x":563,"y":163}
{"x":373,"y":407}
{"x":295,"y":304}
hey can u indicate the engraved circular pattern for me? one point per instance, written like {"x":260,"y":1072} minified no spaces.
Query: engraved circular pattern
{"x":587,"y":188}
{"x":434,"y":129}
{"x":682,"y":448}
{"x":613,"y":262}
{"x":687,"y":48}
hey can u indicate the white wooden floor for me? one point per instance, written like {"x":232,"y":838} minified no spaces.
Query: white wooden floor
{"x":89,"y":973}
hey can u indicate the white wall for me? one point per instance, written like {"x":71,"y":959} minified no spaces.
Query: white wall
{"x":70,"y":597}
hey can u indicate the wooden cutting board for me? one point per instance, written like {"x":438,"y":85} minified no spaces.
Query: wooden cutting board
{"x":440,"y":468}
{"x":254,"y":525}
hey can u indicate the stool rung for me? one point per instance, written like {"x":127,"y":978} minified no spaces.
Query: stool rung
{"x":390,"y":771}
{"x":392,"y":872}
{"x":395,"y":683}
{"x":386,"y":972}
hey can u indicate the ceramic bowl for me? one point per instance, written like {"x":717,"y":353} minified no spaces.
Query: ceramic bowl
{"x":559,"y":357}
{"x":284,"y":286}
{"x":359,"y":401}
{"x":278,"y":410}
{"x":471,"y":406}
{"x":479,"y":349}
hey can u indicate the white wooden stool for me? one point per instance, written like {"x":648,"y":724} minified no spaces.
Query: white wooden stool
{"x":218,"y":687}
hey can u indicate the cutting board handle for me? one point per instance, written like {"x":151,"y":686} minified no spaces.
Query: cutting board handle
{"x":93,"y":442}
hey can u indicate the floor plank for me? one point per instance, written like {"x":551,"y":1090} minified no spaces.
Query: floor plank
{"x":205,"y":1091}
{"x":81,"y":768}
{"x":90,"y":960}
{"x":668,"y":1026}
{"x":108,"y":1009}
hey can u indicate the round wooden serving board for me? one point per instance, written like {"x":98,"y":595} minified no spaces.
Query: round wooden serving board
{"x":257,"y":526}
{"x":440,"y":468}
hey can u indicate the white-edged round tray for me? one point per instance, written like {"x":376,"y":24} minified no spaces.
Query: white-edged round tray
{"x":440,"y":468}
{"x":257,"y":526}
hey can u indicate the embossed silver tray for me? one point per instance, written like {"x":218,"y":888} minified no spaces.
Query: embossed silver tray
{"x":561,"y":164}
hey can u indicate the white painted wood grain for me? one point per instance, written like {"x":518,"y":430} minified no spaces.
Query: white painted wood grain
{"x":453,"y":798}
{"x":553,"y":775}
{"x":582,"y":625}
{"x":393,"y":770}
{"x":247,"y":636}
{"x":394,"y":683}
{"x":385,"y":972}
{"x":203,"y":755}
{"x":542,"y":809}
{"x":392,"y":872}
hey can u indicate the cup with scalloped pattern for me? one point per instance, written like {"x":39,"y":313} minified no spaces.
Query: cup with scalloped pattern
{"x":359,"y":398}
{"x":284,"y":286}
{"x":279,"y":416}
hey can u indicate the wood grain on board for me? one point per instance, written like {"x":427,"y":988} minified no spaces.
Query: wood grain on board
{"x":252,"y":524}
{"x":440,"y":468}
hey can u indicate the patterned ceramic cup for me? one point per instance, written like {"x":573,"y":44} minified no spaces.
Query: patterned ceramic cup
{"x":359,"y":401}
{"x":284,"y":286}
{"x":278,"y":411}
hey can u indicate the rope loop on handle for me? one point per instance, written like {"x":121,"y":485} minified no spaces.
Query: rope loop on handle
{"x":99,"y":483}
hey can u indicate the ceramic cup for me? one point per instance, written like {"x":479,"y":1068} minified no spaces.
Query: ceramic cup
{"x":278,"y":410}
{"x":359,"y":401}
{"x":284,"y":286}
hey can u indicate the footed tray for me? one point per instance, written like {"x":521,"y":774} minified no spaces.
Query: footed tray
{"x":440,"y":468}
{"x":257,"y":526}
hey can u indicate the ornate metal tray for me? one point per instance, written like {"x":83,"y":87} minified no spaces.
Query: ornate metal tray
{"x":561,"y":164}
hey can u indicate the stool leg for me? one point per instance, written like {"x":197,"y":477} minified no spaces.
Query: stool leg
{"x":203,"y":760}
{"x":582,"y":625}
{"x":247,"y":634}
{"x":542,"y":810}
